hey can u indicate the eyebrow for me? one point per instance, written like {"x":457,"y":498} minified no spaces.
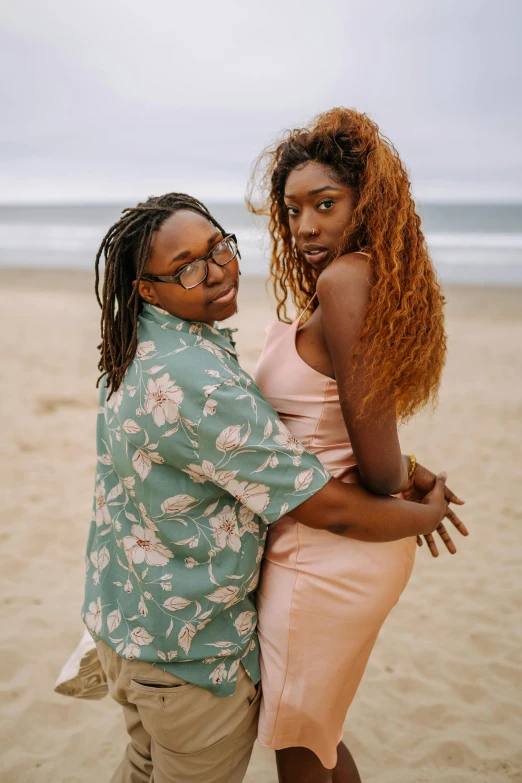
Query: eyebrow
{"x":316,"y":191}
{"x":187,"y":253}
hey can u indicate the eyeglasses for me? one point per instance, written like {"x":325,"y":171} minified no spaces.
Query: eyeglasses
{"x":191,"y":275}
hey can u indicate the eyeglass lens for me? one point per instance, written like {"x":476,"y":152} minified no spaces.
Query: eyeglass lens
{"x":196,"y":272}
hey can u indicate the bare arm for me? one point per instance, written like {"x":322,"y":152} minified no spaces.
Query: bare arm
{"x":351,"y":511}
{"x":344,"y":290}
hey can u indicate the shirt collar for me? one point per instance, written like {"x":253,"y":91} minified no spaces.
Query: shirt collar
{"x":220,"y":336}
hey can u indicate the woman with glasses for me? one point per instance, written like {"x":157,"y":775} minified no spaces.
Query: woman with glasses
{"x":366,"y":352}
{"x":195,"y":272}
{"x":182,"y":500}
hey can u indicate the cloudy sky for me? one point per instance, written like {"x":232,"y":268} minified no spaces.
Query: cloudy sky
{"x":118,"y":99}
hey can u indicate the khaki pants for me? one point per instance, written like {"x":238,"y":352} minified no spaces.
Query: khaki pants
{"x":180,"y":733}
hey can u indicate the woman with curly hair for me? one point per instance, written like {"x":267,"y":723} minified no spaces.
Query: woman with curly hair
{"x":366,"y":353}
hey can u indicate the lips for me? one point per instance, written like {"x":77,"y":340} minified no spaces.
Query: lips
{"x":314,"y":254}
{"x":226,"y":296}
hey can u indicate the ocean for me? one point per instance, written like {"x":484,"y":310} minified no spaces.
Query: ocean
{"x":479,"y":244}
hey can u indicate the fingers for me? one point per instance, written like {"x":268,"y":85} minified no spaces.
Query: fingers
{"x":419,"y":541}
{"x":439,"y":486}
{"x":443,"y":533}
{"x":431,"y":545}
{"x":453,"y":518}
{"x":452,"y":498}
{"x":439,"y":490}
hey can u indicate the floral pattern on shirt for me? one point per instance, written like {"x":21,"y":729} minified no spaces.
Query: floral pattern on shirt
{"x":193,"y":464}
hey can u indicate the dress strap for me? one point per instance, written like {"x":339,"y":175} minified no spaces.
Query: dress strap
{"x":298,"y":319}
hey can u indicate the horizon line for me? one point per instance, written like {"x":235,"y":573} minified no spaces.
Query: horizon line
{"x":439,"y":199}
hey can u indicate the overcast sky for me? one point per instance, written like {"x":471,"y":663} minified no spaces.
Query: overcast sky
{"x":118,"y":99}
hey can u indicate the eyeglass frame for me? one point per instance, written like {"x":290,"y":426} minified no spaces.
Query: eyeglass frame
{"x":205,"y":258}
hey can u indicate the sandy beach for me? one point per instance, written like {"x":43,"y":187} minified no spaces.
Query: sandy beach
{"x":440,"y":701}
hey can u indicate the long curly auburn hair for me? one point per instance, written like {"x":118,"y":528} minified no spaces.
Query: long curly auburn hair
{"x":402,"y":340}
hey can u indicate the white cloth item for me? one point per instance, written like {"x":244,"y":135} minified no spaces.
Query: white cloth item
{"x":82,"y":675}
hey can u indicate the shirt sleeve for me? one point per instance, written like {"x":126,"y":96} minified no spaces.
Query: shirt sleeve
{"x":245,"y":448}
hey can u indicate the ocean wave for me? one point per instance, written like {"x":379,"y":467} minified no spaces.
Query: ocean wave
{"x":472,"y":240}
{"x":83,"y":236}
{"x":466,"y":256}
{"x":54,"y":236}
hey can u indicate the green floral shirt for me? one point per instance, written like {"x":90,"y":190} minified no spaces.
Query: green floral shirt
{"x":193,"y":464}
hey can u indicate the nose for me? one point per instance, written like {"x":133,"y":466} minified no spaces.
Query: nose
{"x":306,"y":226}
{"x":216,"y":274}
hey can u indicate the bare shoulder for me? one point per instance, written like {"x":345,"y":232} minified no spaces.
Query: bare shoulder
{"x":348,"y":278}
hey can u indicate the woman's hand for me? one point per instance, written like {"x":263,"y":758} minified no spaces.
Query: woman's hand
{"x":436,"y":500}
{"x":420,"y":485}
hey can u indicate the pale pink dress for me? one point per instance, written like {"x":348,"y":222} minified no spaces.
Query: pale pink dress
{"x":322,"y":599}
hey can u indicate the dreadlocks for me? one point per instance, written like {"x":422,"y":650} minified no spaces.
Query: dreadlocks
{"x":126,"y":248}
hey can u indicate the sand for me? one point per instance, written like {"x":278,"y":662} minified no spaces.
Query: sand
{"x":440,"y":702}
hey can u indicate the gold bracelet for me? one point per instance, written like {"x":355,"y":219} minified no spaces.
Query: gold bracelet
{"x":413,"y":465}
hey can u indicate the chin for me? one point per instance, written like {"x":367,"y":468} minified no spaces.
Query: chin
{"x":320,"y":264}
{"x":232,"y":310}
